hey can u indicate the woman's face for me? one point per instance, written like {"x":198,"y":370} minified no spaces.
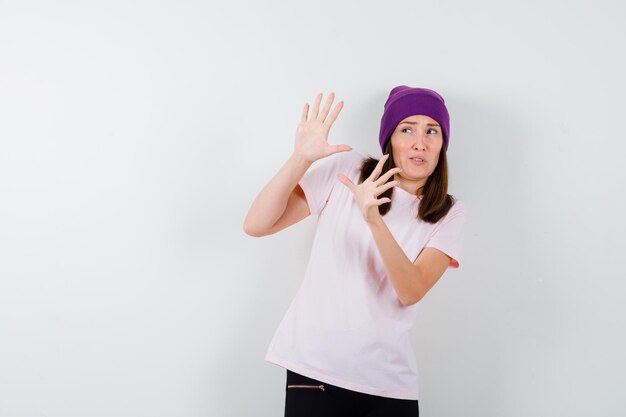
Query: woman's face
{"x":416,"y":143}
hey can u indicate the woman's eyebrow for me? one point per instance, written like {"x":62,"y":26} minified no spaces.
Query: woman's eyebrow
{"x":427,"y":124}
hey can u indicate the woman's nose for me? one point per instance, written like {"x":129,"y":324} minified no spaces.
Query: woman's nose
{"x":419,"y":143}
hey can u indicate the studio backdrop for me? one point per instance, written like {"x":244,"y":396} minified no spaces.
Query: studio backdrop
{"x":135,"y":135}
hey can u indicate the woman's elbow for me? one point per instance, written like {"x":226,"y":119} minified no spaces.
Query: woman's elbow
{"x":251,"y":231}
{"x":409,"y":301}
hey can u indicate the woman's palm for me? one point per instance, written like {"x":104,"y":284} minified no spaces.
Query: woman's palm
{"x":312,"y":133}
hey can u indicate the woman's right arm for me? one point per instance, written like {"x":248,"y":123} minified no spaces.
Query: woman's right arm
{"x":281,"y":202}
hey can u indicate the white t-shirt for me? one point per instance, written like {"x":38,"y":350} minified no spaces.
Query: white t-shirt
{"x":346,"y":326}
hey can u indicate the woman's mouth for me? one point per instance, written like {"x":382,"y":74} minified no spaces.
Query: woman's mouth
{"x":417,"y":161}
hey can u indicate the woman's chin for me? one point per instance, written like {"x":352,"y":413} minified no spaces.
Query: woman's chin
{"x":413,"y":174}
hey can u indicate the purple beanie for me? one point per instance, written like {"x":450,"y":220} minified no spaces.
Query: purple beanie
{"x":404,"y":101}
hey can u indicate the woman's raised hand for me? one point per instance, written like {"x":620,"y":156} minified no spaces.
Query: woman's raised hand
{"x":311,"y":141}
{"x":366,"y":194}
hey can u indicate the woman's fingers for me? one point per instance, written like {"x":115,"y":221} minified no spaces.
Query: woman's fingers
{"x":338,"y":148}
{"x":316,"y":107}
{"x":333,"y":116}
{"x":366,"y":193}
{"x":378,"y":168}
{"x":324,"y":114}
{"x":382,"y":201}
{"x":374,"y":176}
{"x":383,"y":178}
{"x":329,"y":102}
{"x":377,"y":190}
{"x":346,"y":181}
{"x":305,"y":111}
{"x":378,"y":202}
{"x":381,"y":189}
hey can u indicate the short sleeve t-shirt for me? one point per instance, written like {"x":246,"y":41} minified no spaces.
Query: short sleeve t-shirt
{"x":345,"y":325}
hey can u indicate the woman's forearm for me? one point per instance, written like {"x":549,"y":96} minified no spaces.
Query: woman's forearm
{"x":401,"y":271}
{"x":271,"y":202}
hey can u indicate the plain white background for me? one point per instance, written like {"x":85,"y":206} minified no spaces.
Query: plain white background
{"x":135,"y":135}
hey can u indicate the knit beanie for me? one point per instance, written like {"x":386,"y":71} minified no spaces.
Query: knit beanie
{"x":404,"y":101}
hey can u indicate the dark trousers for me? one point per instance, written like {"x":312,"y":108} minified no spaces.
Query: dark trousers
{"x":307,"y":397}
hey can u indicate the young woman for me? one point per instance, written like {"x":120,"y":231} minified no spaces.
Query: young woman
{"x":387,"y":231}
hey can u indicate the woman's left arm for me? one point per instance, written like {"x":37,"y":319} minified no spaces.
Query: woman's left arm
{"x":410,"y":280}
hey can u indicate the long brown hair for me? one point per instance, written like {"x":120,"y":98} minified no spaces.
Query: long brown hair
{"x":435,"y":201}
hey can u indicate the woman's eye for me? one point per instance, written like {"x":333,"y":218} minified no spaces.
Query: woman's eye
{"x":406,"y":128}
{"x":433,"y":130}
